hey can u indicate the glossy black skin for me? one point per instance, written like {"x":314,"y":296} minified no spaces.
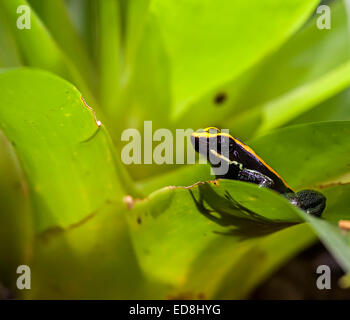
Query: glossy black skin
{"x":311,"y":201}
{"x":251,"y":168}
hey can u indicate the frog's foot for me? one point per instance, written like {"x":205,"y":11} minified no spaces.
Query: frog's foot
{"x":311,"y":201}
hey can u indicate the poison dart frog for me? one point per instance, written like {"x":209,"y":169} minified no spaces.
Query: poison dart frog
{"x":245,"y":165}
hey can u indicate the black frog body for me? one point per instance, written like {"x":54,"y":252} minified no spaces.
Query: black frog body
{"x":245,"y":165}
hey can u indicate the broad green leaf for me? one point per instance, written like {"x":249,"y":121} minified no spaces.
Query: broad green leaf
{"x":38,"y":48}
{"x":15,"y":219}
{"x":307,"y":155}
{"x":66,"y":157}
{"x":338,"y":201}
{"x":54,"y":15}
{"x":136,"y":13}
{"x":145,"y":77}
{"x":9,"y":55}
{"x":307,"y":56}
{"x":93,"y":259}
{"x":175,"y":235}
{"x":109,"y":35}
{"x":183,"y":176}
{"x":147,"y":97}
{"x":333,"y":109}
{"x":83,"y":15}
{"x":310,"y":59}
{"x":237,"y":275}
{"x":336,"y":240}
{"x":280,"y":111}
{"x":150,"y":96}
{"x":227,"y":38}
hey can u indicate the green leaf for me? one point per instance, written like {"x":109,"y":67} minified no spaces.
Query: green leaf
{"x":333,"y":109}
{"x":280,"y":111}
{"x":15,"y":236}
{"x":306,"y":57}
{"x":307,"y":155}
{"x":184,"y":176}
{"x":65,"y":156}
{"x":312,"y":59}
{"x":9,"y":55}
{"x":150,"y":97}
{"x":109,"y":26}
{"x":90,"y":260}
{"x":136,"y":13}
{"x":38,"y":48}
{"x":54,"y":15}
{"x":334,"y":238}
{"x":337,"y":242}
{"x":227,"y":38}
{"x":236,"y":275}
{"x":204,"y":226}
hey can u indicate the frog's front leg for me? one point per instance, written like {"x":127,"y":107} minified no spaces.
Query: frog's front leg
{"x":255,"y":177}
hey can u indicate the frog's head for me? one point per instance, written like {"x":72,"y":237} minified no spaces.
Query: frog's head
{"x":212,"y":143}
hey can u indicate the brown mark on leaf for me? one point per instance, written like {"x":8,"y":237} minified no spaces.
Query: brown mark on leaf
{"x":98,"y":122}
{"x":48,"y":234}
{"x":214,"y":182}
{"x":332,"y":184}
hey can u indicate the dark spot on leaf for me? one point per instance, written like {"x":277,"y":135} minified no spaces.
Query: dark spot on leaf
{"x":53,"y":232}
{"x":220,"y":98}
{"x":46,"y":235}
{"x":139,"y":221}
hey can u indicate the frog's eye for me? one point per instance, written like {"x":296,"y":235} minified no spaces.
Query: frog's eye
{"x":212,"y":130}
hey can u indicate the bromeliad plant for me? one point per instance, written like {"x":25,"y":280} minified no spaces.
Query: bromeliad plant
{"x":89,"y":226}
